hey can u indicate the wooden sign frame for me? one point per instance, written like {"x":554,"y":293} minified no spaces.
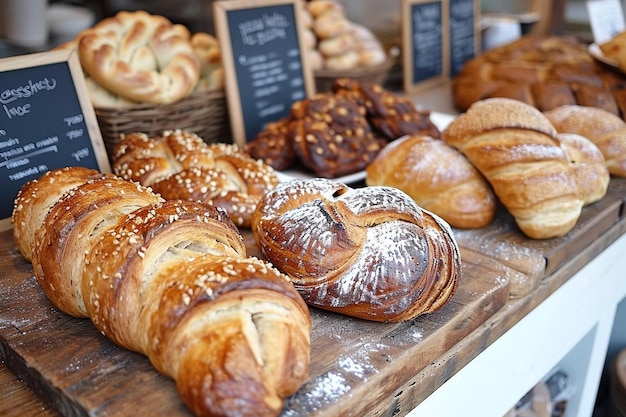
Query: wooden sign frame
{"x":408,"y":46}
{"x":476,"y":34}
{"x":77,"y":76}
{"x":235,"y":107}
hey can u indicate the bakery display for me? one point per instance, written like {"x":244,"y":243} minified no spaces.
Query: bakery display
{"x":606,"y":130}
{"x":545,"y":72}
{"x":438,"y":177}
{"x":341,"y":131}
{"x":170,"y":280}
{"x":180,"y":165}
{"x":515,"y":147}
{"x":370,"y":252}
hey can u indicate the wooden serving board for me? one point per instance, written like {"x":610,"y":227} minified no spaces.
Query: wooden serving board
{"x":355,"y":364}
{"x":357,"y":367}
{"x":503,"y":240}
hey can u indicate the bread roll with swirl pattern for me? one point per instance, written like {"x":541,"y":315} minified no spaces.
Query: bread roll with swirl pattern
{"x":515,"y":147}
{"x":370,"y":252}
{"x":171,"y":280}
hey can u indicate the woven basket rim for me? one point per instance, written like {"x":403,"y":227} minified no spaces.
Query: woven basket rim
{"x":358,"y":72}
{"x":196,"y":95}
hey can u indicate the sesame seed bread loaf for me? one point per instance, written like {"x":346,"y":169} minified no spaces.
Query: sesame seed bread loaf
{"x":180,"y":165}
{"x":606,"y":130}
{"x":370,"y":252}
{"x":171,"y":280}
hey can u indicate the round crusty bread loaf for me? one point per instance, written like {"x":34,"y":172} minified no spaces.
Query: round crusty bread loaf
{"x":438,"y":177}
{"x":606,"y":130}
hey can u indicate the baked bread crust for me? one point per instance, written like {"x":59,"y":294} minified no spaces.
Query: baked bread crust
{"x":370,"y":252}
{"x":606,"y":130}
{"x":438,"y":177}
{"x":545,"y":72}
{"x":171,"y":280}
{"x":141,"y":57}
{"x":515,"y":147}
{"x":180,"y":165}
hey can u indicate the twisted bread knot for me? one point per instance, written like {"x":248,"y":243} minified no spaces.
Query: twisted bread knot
{"x":331,"y":135}
{"x":180,"y":165}
{"x":141,"y":57}
{"x":370,"y":252}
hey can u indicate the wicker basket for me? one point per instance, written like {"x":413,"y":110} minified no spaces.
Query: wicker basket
{"x":205,"y":113}
{"x":374,"y":75}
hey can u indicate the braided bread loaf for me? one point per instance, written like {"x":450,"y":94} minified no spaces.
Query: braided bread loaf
{"x":171,"y":280}
{"x":515,"y":147}
{"x":180,"y":165}
{"x":368,"y":252}
{"x":438,"y":177}
{"x":141,"y":57}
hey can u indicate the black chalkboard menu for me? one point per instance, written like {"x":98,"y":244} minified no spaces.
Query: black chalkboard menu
{"x":265,"y":68}
{"x":463,"y":35}
{"x":424,"y":36}
{"x":46,"y":122}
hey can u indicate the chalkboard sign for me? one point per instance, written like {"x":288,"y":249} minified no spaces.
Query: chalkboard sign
{"x":424,"y":29}
{"x":464,"y":35}
{"x":46,"y":122}
{"x":266,"y":71}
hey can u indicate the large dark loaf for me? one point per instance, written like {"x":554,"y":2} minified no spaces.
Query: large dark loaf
{"x":171,"y":280}
{"x":545,"y":72}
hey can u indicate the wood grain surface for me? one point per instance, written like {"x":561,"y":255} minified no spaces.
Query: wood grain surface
{"x":357,"y":367}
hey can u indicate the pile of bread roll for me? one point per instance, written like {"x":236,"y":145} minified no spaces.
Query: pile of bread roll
{"x":341,"y":44}
{"x":544,"y":167}
{"x":171,"y":280}
{"x":136,"y":57}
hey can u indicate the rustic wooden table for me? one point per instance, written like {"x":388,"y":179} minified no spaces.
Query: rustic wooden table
{"x":357,"y":367}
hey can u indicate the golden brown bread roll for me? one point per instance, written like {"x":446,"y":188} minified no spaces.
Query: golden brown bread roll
{"x":438,"y":177}
{"x":370,"y":252}
{"x":590,"y":170}
{"x":542,"y":71}
{"x":34,"y":200}
{"x":180,"y":165}
{"x":606,"y":130}
{"x":171,"y":280}
{"x":140,"y":57}
{"x":515,"y":147}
